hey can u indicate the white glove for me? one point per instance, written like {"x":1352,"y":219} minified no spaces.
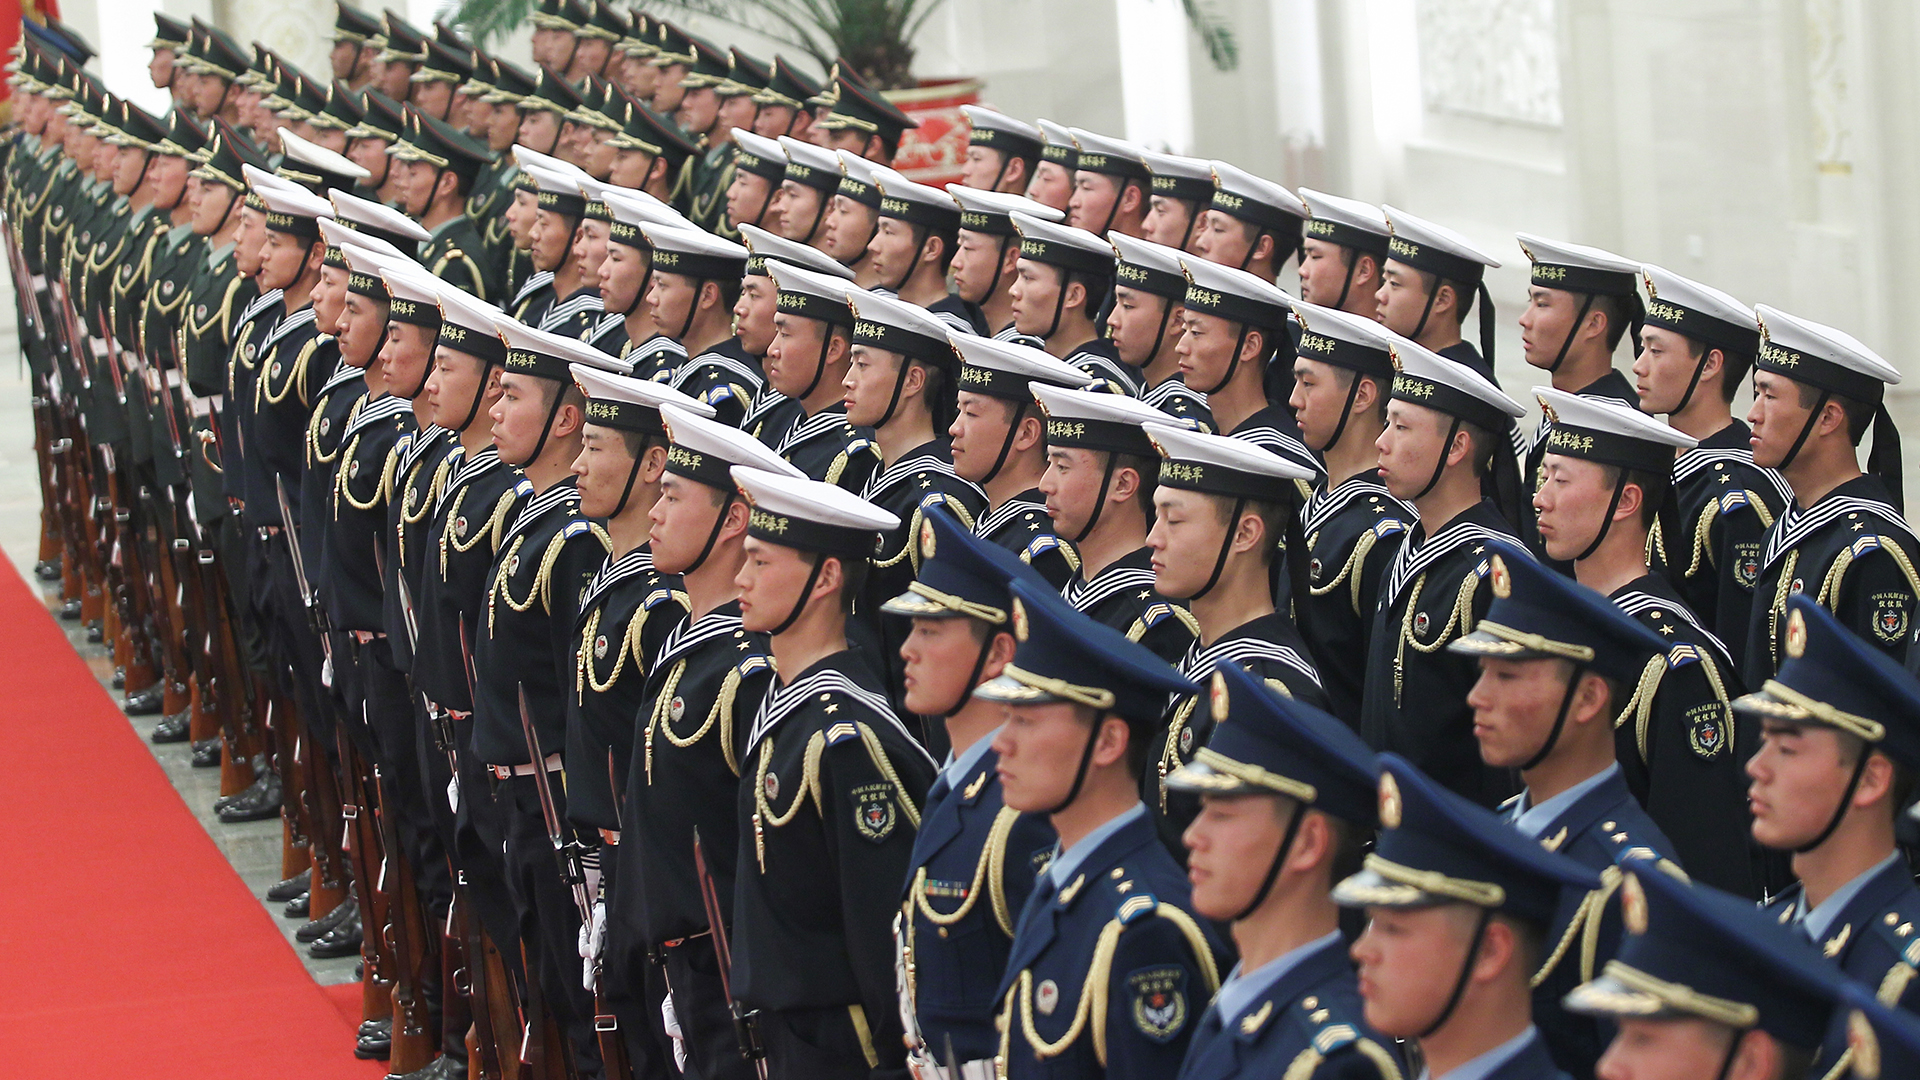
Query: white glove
{"x":593,"y":937}
{"x":453,"y":793}
{"x":671,"y":1021}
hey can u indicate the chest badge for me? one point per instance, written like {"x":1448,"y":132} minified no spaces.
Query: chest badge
{"x":772,"y":785}
{"x":1420,"y":622}
{"x":460,"y":527}
{"x":513,"y":566}
{"x":353,"y":469}
{"x":326,"y":422}
{"x":200,"y":312}
{"x":600,"y":651}
{"x":1046,"y":997}
{"x":677,"y":708}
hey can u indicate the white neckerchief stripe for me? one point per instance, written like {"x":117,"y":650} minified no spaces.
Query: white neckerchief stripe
{"x":785,"y":700}
{"x":688,"y":636}
{"x":1200,"y":663}
{"x":813,"y":427}
{"x":1082,"y":596}
{"x":259,"y":304}
{"x":1794,"y":526}
{"x":1637,"y":603}
{"x":384,"y":408}
{"x":540,"y":280}
{"x":287,"y":325}
{"x":1000,"y":516}
{"x":613,"y":572}
{"x":465,"y":471}
{"x":1410,"y":561}
{"x":1325,"y":504}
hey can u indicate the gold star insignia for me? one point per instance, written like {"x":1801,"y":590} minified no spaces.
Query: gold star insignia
{"x":833,"y":708}
{"x":1144,"y":593}
{"x":1725,"y":479}
{"x":925,"y":483}
{"x":1858,"y":525}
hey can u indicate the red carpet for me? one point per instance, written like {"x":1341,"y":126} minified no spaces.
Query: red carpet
{"x":129,"y":946}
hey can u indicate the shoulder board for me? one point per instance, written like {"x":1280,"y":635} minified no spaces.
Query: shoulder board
{"x":1156,"y":614}
{"x":1485,"y":566}
{"x":656,"y":598}
{"x":1040,"y":546}
{"x":1135,"y":906}
{"x":841,"y":732}
{"x":1898,"y":934}
{"x":1333,"y":1036}
{"x":1735,"y":499}
{"x":750,"y":665}
{"x":1386,"y":527}
{"x":860,"y":445}
{"x":1865,"y":545}
{"x":523,"y":487}
{"x":575,"y":528}
{"x":1510,"y":803}
{"x":723,"y":392}
{"x":1682,"y":654}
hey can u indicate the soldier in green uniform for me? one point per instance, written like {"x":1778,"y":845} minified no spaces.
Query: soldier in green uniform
{"x":783,"y":108}
{"x":442,"y":164}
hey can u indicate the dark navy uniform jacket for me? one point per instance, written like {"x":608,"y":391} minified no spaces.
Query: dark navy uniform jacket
{"x":1872,"y":938}
{"x":974,"y":865}
{"x":1308,"y":1023}
{"x":254,"y":323}
{"x":827,"y":448}
{"x":1602,"y":828}
{"x":726,"y":377}
{"x":335,"y":404}
{"x":1175,"y":398}
{"x":1122,"y":596}
{"x":357,"y":513}
{"x":1725,"y":505}
{"x":1416,"y":694}
{"x":294,"y":359}
{"x":1120,"y":931}
{"x":1854,"y":555}
{"x":1353,"y":531}
{"x":419,"y":470}
{"x":1022,"y":526}
{"x":1100,"y":358}
{"x":830,"y":798}
{"x":1681,"y":747}
{"x":469,"y":518}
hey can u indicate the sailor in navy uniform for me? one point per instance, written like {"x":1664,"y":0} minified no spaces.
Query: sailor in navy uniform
{"x":975,"y":859}
{"x":625,"y":328}
{"x":701,"y":690}
{"x":1181,"y":191}
{"x":806,"y":189}
{"x":999,"y":441}
{"x":695,"y":284}
{"x":557,"y":297}
{"x":1287,"y":797}
{"x":1449,"y":878}
{"x":911,"y":216}
{"x":1009,"y":151}
{"x":901,"y":385}
{"x":1415,"y":700}
{"x":986,"y":262}
{"x":1705,"y":985}
{"x":1148,"y":322}
{"x":1351,"y":524}
{"x":1843,"y":540}
{"x":1697,"y":347}
{"x":1254,"y":224}
{"x":1353,"y":234}
{"x":771,"y":412}
{"x":1675,"y":733}
{"x":1109,"y":926}
{"x":812,"y":349}
{"x":1840,"y":727}
{"x":524,"y":655}
{"x":1216,"y":507}
{"x":1098,"y":485}
{"x":1429,"y":285}
{"x":1580,"y":304}
{"x":832,"y":785}
{"x":1553,"y":656}
{"x":1063,"y":278}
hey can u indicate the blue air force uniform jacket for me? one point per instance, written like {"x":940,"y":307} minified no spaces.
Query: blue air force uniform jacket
{"x":1307,"y":1024}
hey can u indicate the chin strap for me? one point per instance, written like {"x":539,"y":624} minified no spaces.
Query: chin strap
{"x":1006,"y":444}
{"x":1586,"y":305}
{"x":1733,"y":1050}
{"x":693,"y":309}
{"x":1233,"y":362}
{"x":479,"y":393}
{"x":1466,"y":972}
{"x":999,"y":261}
{"x":1160,"y":337}
{"x":425,"y":373}
{"x":1099,"y":501}
{"x":1346,"y":411}
{"x":1226,"y":548}
{"x":1086,"y":758}
{"x":1446,"y":449}
{"x":1699,"y":369}
{"x":1253,"y":246}
{"x":919,"y":245}
{"x":973,"y":677}
{"x":627,"y":492}
{"x":1839,"y":812}
{"x":1559,"y":720}
{"x":1273,"y":868}
{"x":800,"y":604}
{"x":713,"y":536}
{"x":1806,"y":429}
{"x":893,"y":401}
{"x":559,"y":396}
{"x":819,"y":217}
{"x":1606,"y":520}
{"x":819,"y":365}
{"x":1059,"y":307}
{"x":1346,"y":284}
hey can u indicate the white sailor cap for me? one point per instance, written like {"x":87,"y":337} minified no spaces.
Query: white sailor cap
{"x":1222,"y":465}
{"x":813,"y":166}
{"x":364,"y":265}
{"x":341,"y":236}
{"x":1700,"y":312}
{"x":759,"y":155}
{"x":558,"y":191}
{"x":1578,"y":268}
{"x":1238,"y":193}
{"x":990,"y":212}
{"x":1343,"y":339}
{"x":1234,"y":295}
{"x":857,"y":179}
{"x":466,"y":325}
{"x":1063,"y":246}
{"x":629,"y":213}
{"x":413,"y":291}
{"x":375,"y":219}
{"x":998,"y":131}
{"x":1434,"y":249}
{"x":1424,"y":377}
{"x":695,"y":253}
{"x":1149,"y":267}
{"x":290,"y":207}
{"x":914,"y":203}
{"x":1060,"y":147}
{"x":1087,"y":420}
{"x":763,"y":245}
{"x":536,"y":352}
{"x":1609,"y":431}
{"x":892,"y":324}
{"x":809,"y":515}
{"x":1821,"y":356}
{"x":706,"y":451}
{"x":1109,"y":156}
{"x":1177,"y":177}
{"x":1349,"y":223}
{"x":618,"y":400}
{"x":306,"y":158}
{"x":811,"y":294}
{"x":1008,"y":369}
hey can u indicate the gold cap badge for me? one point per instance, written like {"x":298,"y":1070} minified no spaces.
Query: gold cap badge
{"x":1019,"y":620}
{"x":1796,"y":635}
{"x":1389,"y":802}
{"x":1502,"y":580}
{"x":1863,"y":1045}
{"x":1219,"y":698}
{"x":1633,"y":905}
{"x":926,"y":539}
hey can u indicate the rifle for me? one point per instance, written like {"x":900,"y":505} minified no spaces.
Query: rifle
{"x":413,"y":1044}
{"x":315,"y":617}
{"x":744,"y":1031}
{"x":357,"y":810}
{"x":566,"y":852}
{"x":484,"y":990}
